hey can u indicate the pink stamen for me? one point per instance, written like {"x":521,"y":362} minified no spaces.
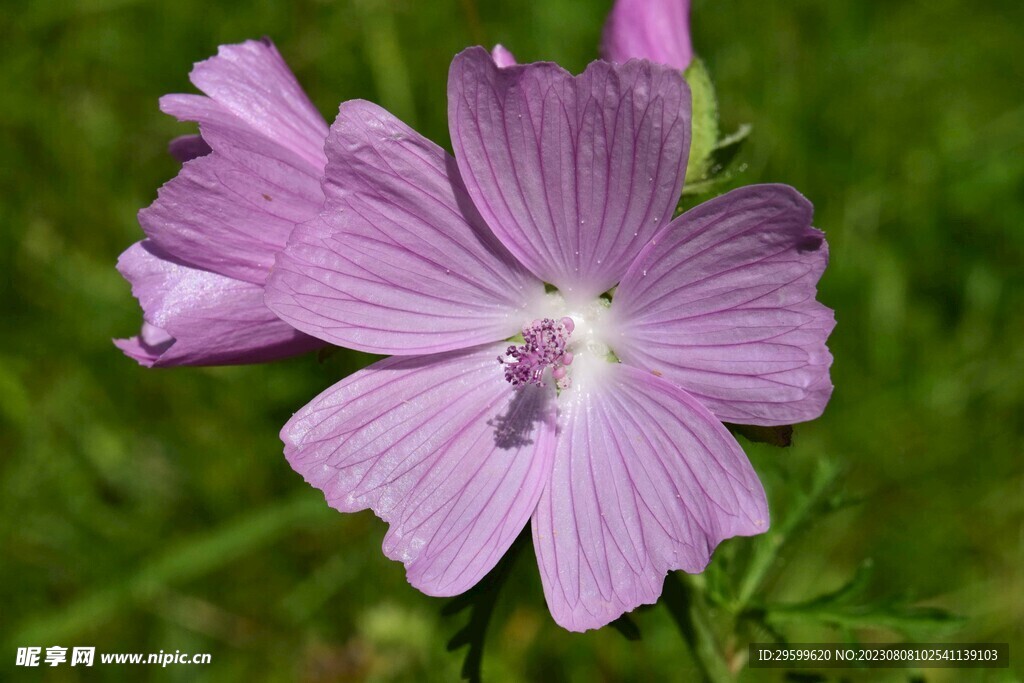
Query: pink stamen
{"x":543,"y":348}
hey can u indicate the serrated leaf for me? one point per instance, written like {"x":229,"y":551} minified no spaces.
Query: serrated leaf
{"x":848,"y":592}
{"x":480,"y":601}
{"x":912,"y":622}
{"x":847,"y":608}
{"x":804,"y":510}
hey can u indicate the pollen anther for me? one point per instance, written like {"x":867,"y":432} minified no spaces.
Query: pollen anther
{"x":543,"y":347}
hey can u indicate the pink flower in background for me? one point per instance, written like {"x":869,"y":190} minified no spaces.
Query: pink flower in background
{"x":602,"y":422}
{"x":502,"y":56}
{"x":214,"y":229}
{"x":658,"y":30}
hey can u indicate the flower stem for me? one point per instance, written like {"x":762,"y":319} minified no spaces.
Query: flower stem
{"x":683,"y":595}
{"x":766,"y":548}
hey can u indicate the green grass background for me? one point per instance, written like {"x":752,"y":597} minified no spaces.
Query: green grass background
{"x":147,"y":510}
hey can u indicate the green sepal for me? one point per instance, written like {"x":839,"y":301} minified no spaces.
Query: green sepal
{"x":721,"y":156}
{"x":704,"y":136}
{"x":710,"y":154}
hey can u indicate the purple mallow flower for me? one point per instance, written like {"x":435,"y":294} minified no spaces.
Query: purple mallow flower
{"x":594,"y":412}
{"x":252,"y":174}
{"x":658,"y":30}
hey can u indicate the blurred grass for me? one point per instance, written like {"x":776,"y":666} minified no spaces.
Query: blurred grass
{"x":148,"y":510}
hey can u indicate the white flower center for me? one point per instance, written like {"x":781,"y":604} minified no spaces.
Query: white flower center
{"x":569,"y":354}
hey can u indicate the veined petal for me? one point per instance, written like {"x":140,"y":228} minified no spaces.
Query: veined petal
{"x":658,"y":30}
{"x":219,"y":216}
{"x":399,"y":261}
{"x":573,"y":174}
{"x":441,"y":448}
{"x":722,"y":303}
{"x":195,"y":317}
{"x":229,"y":211}
{"x":254,"y":85}
{"x":645,"y":481}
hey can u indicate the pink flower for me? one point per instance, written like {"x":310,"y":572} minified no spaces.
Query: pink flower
{"x":658,"y":30}
{"x":214,"y":229}
{"x":503,"y":56}
{"x":602,"y":423}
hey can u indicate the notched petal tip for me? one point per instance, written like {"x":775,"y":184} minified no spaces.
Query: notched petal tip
{"x":262,"y":48}
{"x":723,"y":303}
{"x":645,"y":481}
{"x":453,"y":490}
{"x":608,"y":166}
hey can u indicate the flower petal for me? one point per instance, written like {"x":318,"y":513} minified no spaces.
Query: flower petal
{"x":658,"y":30}
{"x":194,"y":317}
{"x":399,"y":261}
{"x":502,"y":56}
{"x":147,"y":346}
{"x":252,"y":83}
{"x":722,"y":303}
{"x":218,"y":216}
{"x":188,"y":147}
{"x":645,"y":481}
{"x":441,"y":448}
{"x":229,"y":211}
{"x":574,"y":174}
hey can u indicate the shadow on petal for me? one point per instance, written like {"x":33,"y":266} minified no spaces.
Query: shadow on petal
{"x":514,"y":427}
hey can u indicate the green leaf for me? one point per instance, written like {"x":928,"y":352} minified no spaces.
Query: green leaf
{"x":683,"y":595}
{"x":480,"y":601}
{"x":717,"y":171}
{"x":848,"y":607}
{"x":806,"y":508}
